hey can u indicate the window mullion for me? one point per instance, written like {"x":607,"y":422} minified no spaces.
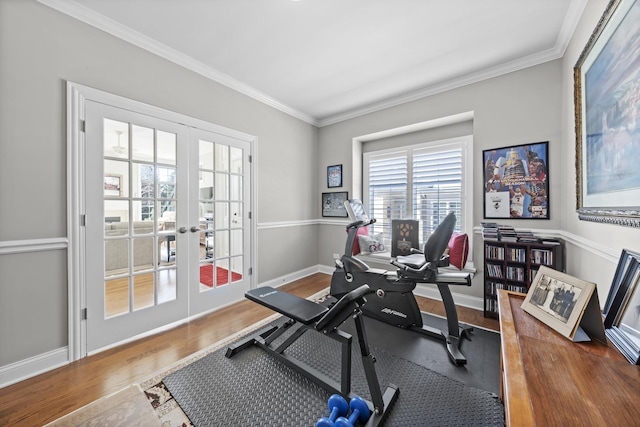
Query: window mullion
{"x":411,"y":209}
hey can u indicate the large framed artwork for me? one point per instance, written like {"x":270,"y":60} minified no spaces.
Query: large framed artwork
{"x":516,"y":182}
{"x":607,"y":118}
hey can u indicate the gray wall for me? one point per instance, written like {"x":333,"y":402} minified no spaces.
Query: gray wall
{"x":41,"y":49}
{"x":586,"y":264}
{"x":531,"y":105}
{"x":516,"y":108}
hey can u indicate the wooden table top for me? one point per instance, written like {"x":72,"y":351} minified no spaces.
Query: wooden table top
{"x":549,"y":380}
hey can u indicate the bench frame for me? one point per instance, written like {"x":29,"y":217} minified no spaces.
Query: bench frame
{"x":324,"y":321}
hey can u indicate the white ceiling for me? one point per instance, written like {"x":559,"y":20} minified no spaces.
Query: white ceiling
{"x":328,"y":60}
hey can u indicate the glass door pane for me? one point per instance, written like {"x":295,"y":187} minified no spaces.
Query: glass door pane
{"x":223,"y":267}
{"x":139,"y":216}
{"x":134,"y":249}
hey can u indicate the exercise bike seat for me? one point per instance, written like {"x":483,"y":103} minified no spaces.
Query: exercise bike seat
{"x":423,"y":266}
{"x":413,"y":260}
{"x":297,"y":308}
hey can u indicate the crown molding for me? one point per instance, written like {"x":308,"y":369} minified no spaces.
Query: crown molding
{"x":485,"y":74}
{"x":88,"y":16}
{"x":572,"y":18}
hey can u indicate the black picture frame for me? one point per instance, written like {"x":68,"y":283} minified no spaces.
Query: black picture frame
{"x":334,"y":176}
{"x":333,"y":204}
{"x":516,"y":182}
{"x":405,"y":236}
{"x":622,"y":308}
{"x":626,"y":256}
{"x":607,"y":138}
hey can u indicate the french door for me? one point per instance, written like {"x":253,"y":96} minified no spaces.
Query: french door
{"x":220,"y":192}
{"x":166,"y":230}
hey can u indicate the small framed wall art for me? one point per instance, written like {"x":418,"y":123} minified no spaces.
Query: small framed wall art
{"x":334,"y":176}
{"x":333,"y":204}
{"x":113,"y":185}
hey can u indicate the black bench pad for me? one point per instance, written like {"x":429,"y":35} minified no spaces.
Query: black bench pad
{"x":297,"y":308}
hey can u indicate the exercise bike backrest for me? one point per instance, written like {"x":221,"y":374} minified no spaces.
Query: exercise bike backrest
{"x":438,"y":242}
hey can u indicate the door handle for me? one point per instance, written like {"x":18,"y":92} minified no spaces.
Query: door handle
{"x":182,"y":230}
{"x":195,"y":229}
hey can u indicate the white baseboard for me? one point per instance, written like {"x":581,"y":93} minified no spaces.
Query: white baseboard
{"x":292,"y":277}
{"x":28,"y":368}
{"x":24,"y":369}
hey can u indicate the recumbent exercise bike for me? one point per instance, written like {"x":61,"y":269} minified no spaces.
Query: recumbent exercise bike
{"x":393,"y":301}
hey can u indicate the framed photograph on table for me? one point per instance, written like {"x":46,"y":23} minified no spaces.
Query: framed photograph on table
{"x":622,"y":309}
{"x":333,"y":204}
{"x":516,"y":182}
{"x":566,"y":304}
{"x":334,"y":176}
{"x":607,"y":119}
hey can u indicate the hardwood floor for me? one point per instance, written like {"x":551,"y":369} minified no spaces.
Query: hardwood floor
{"x":44,"y":398}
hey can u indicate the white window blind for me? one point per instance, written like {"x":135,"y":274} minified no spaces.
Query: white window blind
{"x":437,"y":188}
{"x":422,"y":182}
{"x":387,"y":191}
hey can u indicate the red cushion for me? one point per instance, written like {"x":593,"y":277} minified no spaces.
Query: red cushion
{"x":362,"y":231}
{"x":458,"y":250}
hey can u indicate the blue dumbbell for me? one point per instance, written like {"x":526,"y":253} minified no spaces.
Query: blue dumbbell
{"x":338,"y":407}
{"x":359,"y":412}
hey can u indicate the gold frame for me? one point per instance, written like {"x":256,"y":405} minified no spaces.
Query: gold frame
{"x":612,"y":214}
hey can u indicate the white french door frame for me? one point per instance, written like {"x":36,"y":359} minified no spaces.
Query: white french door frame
{"x":203,"y":301}
{"x":77,"y":95}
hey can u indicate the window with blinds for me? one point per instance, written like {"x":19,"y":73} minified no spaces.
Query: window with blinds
{"x":422,"y":182}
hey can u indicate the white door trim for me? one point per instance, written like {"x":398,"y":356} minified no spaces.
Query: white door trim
{"x":77,"y":95}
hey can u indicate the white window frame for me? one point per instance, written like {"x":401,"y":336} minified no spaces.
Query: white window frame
{"x":465,"y":144}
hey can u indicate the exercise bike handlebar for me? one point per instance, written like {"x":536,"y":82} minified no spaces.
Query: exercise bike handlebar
{"x":360,"y":223}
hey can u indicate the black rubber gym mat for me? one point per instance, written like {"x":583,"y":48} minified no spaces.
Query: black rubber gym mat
{"x":255,"y":389}
{"x":482,"y":369}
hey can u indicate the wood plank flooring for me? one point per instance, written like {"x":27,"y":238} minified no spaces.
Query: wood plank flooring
{"x":39,"y":400}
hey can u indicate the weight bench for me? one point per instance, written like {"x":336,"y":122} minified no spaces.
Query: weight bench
{"x":308,"y":315}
